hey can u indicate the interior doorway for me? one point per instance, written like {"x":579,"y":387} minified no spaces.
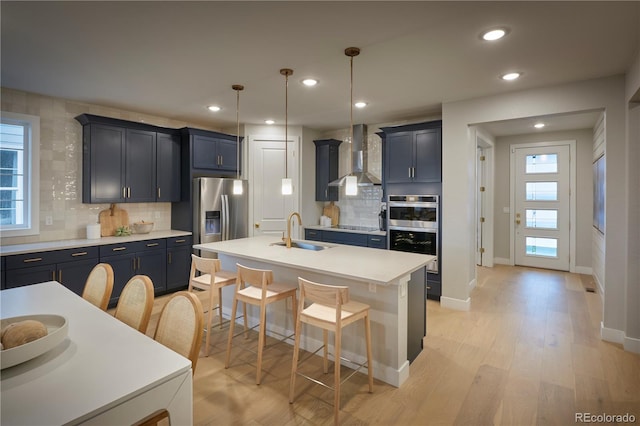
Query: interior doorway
{"x":484,"y":199}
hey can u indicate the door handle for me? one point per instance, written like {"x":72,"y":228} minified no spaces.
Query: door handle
{"x":256,"y":225}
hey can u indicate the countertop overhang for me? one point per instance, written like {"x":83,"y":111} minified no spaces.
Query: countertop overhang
{"x":381,"y":267}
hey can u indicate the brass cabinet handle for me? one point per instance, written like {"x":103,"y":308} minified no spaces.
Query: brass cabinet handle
{"x":158,"y":192}
{"x":60,"y":275}
{"x":152,"y":244}
{"x":118,"y":248}
{"x":129,"y":192}
{"x":180,"y":241}
{"x":428,"y":288}
{"x":33,"y":259}
{"x":124,"y":192}
{"x":376,"y":239}
{"x":80,"y":253}
{"x":53,"y":275}
{"x":170,"y":259}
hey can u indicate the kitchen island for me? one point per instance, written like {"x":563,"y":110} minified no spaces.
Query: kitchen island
{"x":390,"y":282}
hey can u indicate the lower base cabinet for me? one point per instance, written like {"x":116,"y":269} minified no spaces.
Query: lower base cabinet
{"x":165,"y":260}
{"x":348,"y":238}
{"x":178,"y":262}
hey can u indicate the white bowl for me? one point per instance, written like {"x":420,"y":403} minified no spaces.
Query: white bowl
{"x":142,"y":227}
{"x":57,"y":327}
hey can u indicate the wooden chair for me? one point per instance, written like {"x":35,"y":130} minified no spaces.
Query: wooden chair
{"x":180,"y":325}
{"x":136,"y":302}
{"x":99,"y":285}
{"x":211,"y":278}
{"x":331,"y":310}
{"x":256,"y":287}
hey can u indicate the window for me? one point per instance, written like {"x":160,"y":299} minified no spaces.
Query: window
{"x":19,"y":177}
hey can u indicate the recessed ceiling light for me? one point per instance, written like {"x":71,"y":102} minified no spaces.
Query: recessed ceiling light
{"x":511,"y":76}
{"x":310,"y":82}
{"x":494,"y":34}
{"x":538,"y":125}
{"x":269,"y":122}
{"x":360,"y":104}
{"x":214,"y":108}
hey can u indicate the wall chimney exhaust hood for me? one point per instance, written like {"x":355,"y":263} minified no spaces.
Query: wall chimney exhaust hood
{"x":359,"y":160}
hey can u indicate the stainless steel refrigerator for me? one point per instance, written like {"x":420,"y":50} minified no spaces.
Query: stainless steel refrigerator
{"x":218,"y":213}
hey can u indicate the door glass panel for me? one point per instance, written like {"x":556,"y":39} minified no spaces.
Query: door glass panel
{"x":542,"y":163}
{"x":545,"y":247}
{"x":537,"y":218}
{"x":542,"y":191}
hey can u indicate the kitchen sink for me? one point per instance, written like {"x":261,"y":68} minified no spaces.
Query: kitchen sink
{"x":302,"y":245}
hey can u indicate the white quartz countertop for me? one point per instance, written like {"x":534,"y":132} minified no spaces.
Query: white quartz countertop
{"x":67,"y":244}
{"x":382,"y":267}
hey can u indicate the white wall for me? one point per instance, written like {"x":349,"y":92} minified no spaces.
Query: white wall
{"x":458,"y":179}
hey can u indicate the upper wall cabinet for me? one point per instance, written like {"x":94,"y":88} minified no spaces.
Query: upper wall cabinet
{"x":413,"y":153}
{"x":211,"y":151}
{"x":128,"y":162}
{"x":327,"y":152}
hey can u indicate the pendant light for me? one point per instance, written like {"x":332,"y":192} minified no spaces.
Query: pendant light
{"x":287,"y":185}
{"x":351,"y":182}
{"x":237,"y":182}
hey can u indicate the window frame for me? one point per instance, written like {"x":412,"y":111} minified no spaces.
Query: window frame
{"x":31,"y":175}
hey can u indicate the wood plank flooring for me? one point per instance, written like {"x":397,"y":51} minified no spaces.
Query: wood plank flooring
{"x":527,"y":353}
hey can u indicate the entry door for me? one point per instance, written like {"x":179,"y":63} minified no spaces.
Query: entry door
{"x":542,"y":207}
{"x":270,"y":207}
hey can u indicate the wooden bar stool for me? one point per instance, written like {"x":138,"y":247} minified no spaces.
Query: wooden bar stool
{"x":331,"y":310}
{"x":211,"y":278}
{"x":256,"y":287}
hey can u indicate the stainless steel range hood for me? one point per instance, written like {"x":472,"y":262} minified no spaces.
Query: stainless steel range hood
{"x":359,"y":160}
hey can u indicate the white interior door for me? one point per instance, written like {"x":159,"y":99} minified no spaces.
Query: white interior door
{"x":542,"y":214}
{"x":270,"y":207}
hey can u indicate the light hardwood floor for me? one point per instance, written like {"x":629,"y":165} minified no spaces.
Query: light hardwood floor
{"x":528,"y":352}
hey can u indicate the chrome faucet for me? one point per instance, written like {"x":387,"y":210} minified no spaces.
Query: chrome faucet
{"x":287,"y":239}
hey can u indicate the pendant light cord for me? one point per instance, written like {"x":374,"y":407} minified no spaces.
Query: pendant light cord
{"x":237,"y":88}
{"x":286,"y":72}
{"x":351,"y":112}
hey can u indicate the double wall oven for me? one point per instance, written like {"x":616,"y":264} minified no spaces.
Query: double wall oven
{"x":412,"y":225}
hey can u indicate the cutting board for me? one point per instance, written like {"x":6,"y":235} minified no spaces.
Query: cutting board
{"x":332,"y":211}
{"x":111,"y":219}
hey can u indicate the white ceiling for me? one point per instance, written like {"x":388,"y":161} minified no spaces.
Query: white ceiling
{"x":172,"y":59}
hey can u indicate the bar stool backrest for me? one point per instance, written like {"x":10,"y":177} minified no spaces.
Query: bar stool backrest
{"x":203,"y":265}
{"x":259,"y":278}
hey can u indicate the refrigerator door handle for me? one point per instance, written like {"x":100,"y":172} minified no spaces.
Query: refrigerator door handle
{"x":225,"y":217}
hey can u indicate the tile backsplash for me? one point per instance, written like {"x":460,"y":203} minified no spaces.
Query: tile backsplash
{"x":362,"y":209}
{"x":61,"y":166}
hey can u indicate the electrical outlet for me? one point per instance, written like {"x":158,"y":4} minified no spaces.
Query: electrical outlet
{"x":48,"y":220}
{"x":372,"y":287}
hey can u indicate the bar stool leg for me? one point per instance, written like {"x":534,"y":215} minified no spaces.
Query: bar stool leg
{"x":261,"y":340}
{"x":294,"y":364}
{"x":325,"y":350}
{"x":234,"y":309}
{"x":220,"y":306}
{"x":209,"y":323}
{"x":336,"y":384}
{"x":367,"y":328}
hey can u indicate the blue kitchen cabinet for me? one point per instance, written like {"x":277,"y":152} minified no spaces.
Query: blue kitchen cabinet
{"x":327,"y":155}
{"x":313,"y":235}
{"x":178,"y":262}
{"x":211,"y":152}
{"x":140,"y":166}
{"x":168,"y":167}
{"x":348,"y":238}
{"x":377,"y":241}
{"x":70,"y":267}
{"x":412,"y":153}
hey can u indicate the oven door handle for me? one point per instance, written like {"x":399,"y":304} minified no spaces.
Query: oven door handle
{"x":421,"y":205}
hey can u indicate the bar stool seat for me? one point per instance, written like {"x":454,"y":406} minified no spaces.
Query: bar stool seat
{"x":212,"y":279}
{"x":331,"y":310}
{"x":256,"y":287}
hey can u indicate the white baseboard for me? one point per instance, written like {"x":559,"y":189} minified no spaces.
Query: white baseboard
{"x":585,"y":270}
{"x":599,"y":284}
{"x":502,"y":261}
{"x":612,"y":335}
{"x":472,"y":285}
{"x":455,"y":304}
{"x":632,"y":345}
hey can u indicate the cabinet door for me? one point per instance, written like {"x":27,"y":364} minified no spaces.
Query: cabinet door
{"x":205,"y":154}
{"x":73,"y":275}
{"x":106,"y":175}
{"x":31,"y":275}
{"x":427,"y":156}
{"x":140,"y":167}
{"x":400,"y":152}
{"x":349,"y":238}
{"x":313,"y":235}
{"x":326,"y":171}
{"x":153,"y":264}
{"x":376,"y":241}
{"x":123,"y":269}
{"x":178,"y":265}
{"x":167,"y":167}
{"x":228,"y":155}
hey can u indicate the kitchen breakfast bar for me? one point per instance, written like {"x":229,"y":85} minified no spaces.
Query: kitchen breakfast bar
{"x":392,"y":283}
